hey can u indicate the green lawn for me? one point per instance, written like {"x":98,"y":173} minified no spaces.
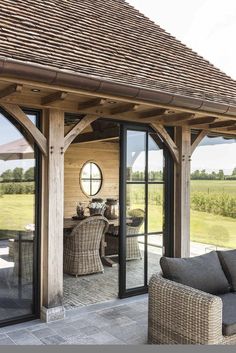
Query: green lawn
{"x":16,"y":211}
{"x":209,"y":228}
{"x":213,"y":229}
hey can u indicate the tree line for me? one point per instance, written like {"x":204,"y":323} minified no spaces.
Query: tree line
{"x":18,"y":175}
{"x":220,"y":175}
{"x":196,"y":175}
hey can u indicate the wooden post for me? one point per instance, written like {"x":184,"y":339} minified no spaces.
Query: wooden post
{"x":54,"y":207}
{"x":182,"y":193}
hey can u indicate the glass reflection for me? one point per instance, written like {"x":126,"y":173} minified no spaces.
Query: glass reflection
{"x":135,"y":169}
{"x":135,"y":208}
{"x":155,"y":161}
{"x":155,"y":208}
{"x":17,"y":221}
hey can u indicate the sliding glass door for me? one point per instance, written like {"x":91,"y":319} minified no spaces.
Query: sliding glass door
{"x":19,"y":220}
{"x":142,"y":208}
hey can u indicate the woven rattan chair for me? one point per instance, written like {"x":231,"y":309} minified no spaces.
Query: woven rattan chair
{"x":132,"y":246}
{"x":23,"y":260}
{"x":81,"y":247}
{"x":179,"y":314}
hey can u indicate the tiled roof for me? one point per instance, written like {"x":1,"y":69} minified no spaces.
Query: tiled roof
{"x":108,"y":39}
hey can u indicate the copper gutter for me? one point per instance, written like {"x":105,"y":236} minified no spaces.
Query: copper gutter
{"x":30,"y":71}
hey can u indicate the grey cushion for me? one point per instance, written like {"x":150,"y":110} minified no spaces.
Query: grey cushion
{"x":228,"y":262}
{"x":202,"y":272}
{"x":229,"y":314}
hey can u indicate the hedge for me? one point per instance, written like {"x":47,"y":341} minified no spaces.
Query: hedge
{"x":17,"y":188}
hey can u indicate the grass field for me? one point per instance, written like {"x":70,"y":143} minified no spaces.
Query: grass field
{"x":17,"y":211}
{"x":209,"y":228}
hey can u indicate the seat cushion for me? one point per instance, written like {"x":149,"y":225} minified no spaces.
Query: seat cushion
{"x":202,"y":272}
{"x":229,"y":314}
{"x":228,"y":263}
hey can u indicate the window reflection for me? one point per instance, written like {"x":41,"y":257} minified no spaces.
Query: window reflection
{"x":17,"y":221}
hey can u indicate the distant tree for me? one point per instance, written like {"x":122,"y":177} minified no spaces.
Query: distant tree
{"x":7,"y":175}
{"x":29,"y":174}
{"x":234,"y":172}
{"x":195,"y":175}
{"x":221,"y":174}
{"x":18,"y":174}
{"x":203,"y":174}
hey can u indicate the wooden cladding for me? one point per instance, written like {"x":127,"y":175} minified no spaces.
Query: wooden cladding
{"x":106,"y":156}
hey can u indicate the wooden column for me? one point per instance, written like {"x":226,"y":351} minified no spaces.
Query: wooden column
{"x":182,"y":193}
{"x":54,"y":207}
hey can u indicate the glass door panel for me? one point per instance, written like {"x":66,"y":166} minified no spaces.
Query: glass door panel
{"x":155,"y":207}
{"x":141,"y":206}
{"x":18,"y":200}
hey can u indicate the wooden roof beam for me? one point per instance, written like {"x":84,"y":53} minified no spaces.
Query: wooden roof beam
{"x":91,"y":103}
{"x":9,"y":90}
{"x":226,"y":123}
{"x":231,"y":128}
{"x":106,"y":134}
{"x":151,"y":113}
{"x":124,"y":108}
{"x":176,"y":118}
{"x":201,"y":121}
{"x":54,"y":97}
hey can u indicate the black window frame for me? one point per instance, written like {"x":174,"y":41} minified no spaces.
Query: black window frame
{"x":91,"y":179}
{"x":36,"y":294}
{"x":168,"y":211}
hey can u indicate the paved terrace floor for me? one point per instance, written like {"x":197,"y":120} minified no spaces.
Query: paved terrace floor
{"x":100,"y":287}
{"x":116,"y":322}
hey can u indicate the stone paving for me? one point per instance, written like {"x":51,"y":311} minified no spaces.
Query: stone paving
{"x":100,"y":287}
{"x":115,"y":322}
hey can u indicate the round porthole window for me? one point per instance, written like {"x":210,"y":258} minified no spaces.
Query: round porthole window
{"x":91,"y":179}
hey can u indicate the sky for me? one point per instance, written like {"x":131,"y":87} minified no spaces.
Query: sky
{"x":206,"y":26}
{"x":209,"y":28}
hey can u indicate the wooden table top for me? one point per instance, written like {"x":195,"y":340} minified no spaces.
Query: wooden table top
{"x":70,"y":223}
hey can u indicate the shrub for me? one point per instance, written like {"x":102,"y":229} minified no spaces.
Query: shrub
{"x":17,"y":188}
{"x":216,"y":203}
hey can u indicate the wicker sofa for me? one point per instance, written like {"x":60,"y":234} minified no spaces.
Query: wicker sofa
{"x":180,"y":314}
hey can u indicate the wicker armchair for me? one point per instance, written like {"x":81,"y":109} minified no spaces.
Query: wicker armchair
{"x":179,"y":314}
{"x":81,"y":247}
{"x":132,"y":246}
{"x":22,"y":254}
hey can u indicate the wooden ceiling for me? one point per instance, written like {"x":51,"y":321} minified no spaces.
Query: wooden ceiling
{"x":80,"y":103}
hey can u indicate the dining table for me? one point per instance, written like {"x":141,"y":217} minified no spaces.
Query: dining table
{"x":70,"y":223}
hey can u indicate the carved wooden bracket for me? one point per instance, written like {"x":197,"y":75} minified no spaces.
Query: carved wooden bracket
{"x":168,"y":141}
{"x":17,"y":113}
{"x":77,"y":129}
{"x":200,"y":136}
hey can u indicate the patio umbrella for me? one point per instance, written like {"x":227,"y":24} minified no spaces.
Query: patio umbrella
{"x":18,"y":149}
